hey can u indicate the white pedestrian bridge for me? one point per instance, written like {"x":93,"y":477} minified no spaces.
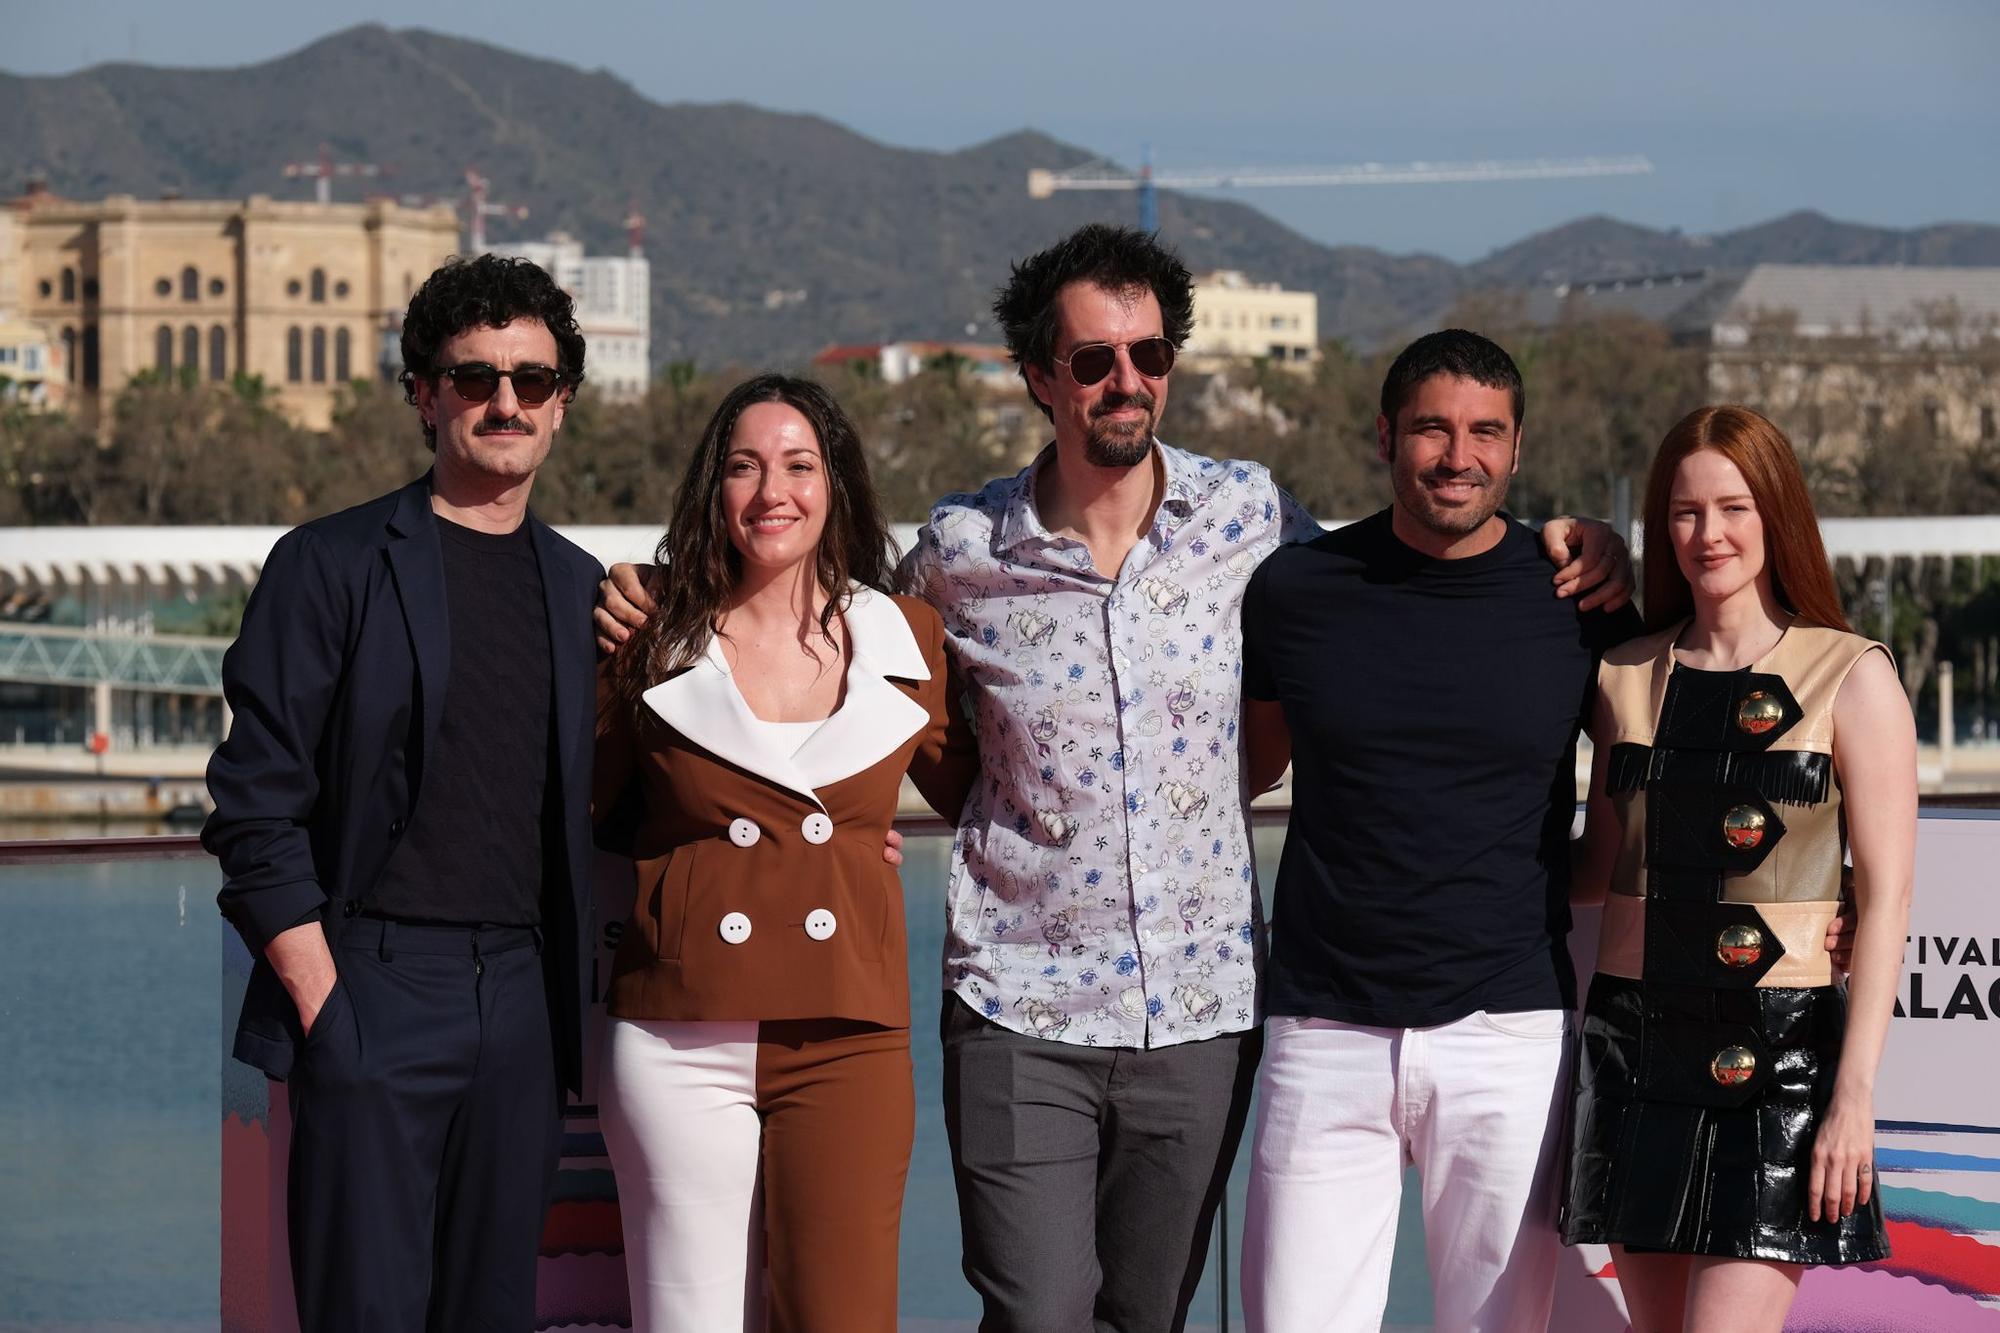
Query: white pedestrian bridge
{"x":117,"y":574}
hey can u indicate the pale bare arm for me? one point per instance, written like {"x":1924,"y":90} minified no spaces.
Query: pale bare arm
{"x":1875,"y":757}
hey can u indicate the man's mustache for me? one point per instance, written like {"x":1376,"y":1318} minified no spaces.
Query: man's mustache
{"x":511,"y":424}
{"x":1118,"y":402}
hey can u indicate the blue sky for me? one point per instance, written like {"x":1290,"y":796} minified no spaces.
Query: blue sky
{"x":1885,"y":114}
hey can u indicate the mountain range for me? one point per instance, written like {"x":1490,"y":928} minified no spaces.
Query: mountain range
{"x":772,"y":234}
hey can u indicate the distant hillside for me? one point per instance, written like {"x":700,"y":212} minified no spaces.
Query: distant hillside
{"x":1601,"y":247}
{"x":747,"y":207}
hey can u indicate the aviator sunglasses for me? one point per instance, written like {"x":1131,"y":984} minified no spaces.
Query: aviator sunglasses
{"x":1151,"y":357}
{"x":476,"y":382}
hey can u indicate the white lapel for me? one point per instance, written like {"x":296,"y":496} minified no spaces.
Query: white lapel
{"x":704,"y":705}
{"x":873,"y":721}
{"x":875,"y":718}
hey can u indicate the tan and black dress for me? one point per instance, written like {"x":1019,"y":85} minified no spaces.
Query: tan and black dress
{"x":1714,"y":1024}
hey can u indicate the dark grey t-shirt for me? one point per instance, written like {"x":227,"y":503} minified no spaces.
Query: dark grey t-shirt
{"x":473,"y":850}
{"x":1433,"y":707}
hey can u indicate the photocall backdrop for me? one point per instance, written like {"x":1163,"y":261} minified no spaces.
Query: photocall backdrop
{"x":1937,"y":1142}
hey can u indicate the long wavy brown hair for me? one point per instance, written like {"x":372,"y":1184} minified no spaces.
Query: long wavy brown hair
{"x":1801,"y":578}
{"x":698,"y":566}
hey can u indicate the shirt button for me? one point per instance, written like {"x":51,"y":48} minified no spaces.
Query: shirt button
{"x":817,"y":828}
{"x":819,"y":924}
{"x":744,"y":832}
{"x":735,"y":928}
{"x":396,"y":827}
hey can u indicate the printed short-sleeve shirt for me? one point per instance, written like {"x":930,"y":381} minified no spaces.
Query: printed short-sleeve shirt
{"x":1103,"y":890}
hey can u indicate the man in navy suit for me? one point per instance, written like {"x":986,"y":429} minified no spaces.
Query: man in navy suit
{"x":401,"y":813}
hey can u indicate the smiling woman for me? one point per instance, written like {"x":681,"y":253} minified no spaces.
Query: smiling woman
{"x":761,"y":722}
{"x":1742,"y":749}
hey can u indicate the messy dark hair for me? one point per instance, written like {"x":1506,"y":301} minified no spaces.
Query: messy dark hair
{"x":1456,"y":352}
{"x":1117,"y":259}
{"x":486,"y":291}
{"x":698,"y":564}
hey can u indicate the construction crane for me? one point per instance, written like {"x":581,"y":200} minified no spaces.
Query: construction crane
{"x":323,"y":169}
{"x":635,"y":231}
{"x":478,"y":208}
{"x":1102,"y":175}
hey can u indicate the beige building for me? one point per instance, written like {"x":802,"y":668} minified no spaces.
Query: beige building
{"x":305,"y":295}
{"x":1847,"y":357}
{"x":1235,"y":319}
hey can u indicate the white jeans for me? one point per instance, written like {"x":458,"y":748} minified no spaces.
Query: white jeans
{"x":1476,"y":1105}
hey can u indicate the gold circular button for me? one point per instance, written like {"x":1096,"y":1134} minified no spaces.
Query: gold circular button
{"x":1732,"y":1065}
{"x":1743,"y":827}
{"x":1759,"y":712}
{"x":1740,"y":946}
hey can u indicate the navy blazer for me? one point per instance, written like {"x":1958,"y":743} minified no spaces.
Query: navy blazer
{"x":337,"y":683}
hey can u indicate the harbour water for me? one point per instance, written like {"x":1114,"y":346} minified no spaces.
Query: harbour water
{"x":111,"y":1043}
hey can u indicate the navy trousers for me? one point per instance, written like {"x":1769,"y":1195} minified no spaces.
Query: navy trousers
{"x":426,"y":1126}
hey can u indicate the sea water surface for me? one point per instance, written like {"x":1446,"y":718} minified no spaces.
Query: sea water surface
{"x":111,"y":1046}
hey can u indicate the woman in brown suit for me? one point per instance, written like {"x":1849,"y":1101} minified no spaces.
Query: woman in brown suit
{"x":756,"y":1088}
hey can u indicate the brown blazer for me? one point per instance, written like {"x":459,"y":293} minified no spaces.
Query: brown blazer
{"x":761,"y":892}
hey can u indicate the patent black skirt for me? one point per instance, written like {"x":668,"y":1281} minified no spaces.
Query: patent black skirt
{"x":1694,"y":1118}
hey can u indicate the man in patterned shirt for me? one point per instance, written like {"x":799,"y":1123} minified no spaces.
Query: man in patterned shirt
{"x":1101,"y":1010}
{"x":1101,"y":965}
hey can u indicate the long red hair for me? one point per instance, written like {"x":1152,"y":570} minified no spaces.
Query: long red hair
{"x":1801,"y":578}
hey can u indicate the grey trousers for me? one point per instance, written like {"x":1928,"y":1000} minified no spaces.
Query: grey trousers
{"x":1088,"y":1177}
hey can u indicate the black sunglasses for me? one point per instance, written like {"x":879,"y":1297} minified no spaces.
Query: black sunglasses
{"x":476,"y":382}
{"x":1151,"y":357}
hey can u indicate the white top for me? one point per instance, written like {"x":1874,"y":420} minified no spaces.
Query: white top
{"x":786,"y":737}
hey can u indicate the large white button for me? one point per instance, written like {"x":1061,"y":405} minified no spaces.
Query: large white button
{"x":744,"y":832}
{"x":817,"y":828}
{"x":736,"y":928}
{"x":819,"y":924}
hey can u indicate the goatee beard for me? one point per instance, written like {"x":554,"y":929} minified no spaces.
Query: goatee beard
{"x":1113,"y":446}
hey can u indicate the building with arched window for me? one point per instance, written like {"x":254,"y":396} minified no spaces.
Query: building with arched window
{"x":239,"y":284}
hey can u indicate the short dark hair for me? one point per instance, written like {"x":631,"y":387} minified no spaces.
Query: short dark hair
{"x":1457,"y":352}
{"x":486,"y":291}
{"x":1118,"y":259}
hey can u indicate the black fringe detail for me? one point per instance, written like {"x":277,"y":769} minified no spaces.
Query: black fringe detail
{"x":1792,"y":777}
{"x":1631,"y":764}
{"x":1788,"y":777}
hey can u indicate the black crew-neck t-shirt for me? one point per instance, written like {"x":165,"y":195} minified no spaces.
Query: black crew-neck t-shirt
{"x":1433,"y":707}
{"x":472,"y":853}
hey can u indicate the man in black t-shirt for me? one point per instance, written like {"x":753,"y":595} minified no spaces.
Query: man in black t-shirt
{"x":1433,"y":687}
{"x":401,"y":814}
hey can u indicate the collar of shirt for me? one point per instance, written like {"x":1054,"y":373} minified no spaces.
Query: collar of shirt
{"x":1022,"y":531}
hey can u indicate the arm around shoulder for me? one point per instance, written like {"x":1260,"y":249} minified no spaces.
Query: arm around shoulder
{"x":946,"y":762}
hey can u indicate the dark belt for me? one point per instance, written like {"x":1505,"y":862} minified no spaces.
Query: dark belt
{"x":389,"y":936}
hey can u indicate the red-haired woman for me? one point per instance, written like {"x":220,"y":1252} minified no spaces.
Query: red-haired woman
{"x":1724,"y":1107}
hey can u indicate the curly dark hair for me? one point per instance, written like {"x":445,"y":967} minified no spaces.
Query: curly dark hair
{"x":486,"y":291}
{"x":1456,"y":352}
{"x":1117,"y":259}
{"x":698,"y":565}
